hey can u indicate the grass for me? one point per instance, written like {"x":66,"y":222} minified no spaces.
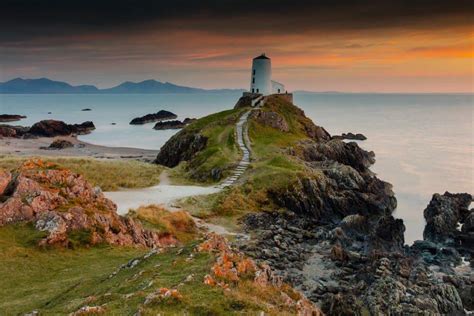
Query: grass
{"x":221,"y":151}
{"x":59,"y":281}
{"x":110,"y":175}
{"x":178,"y":224}
{"x":272,"y":167}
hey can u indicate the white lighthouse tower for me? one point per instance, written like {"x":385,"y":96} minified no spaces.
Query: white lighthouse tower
{"x":261,"y":80}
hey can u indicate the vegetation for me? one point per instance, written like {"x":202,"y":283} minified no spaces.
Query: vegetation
{"x":272,"y":167}
{"x":178,"y":224}
{"x":61,"y":281}
{"x":221,"y":151}
{"x":110,"y":175}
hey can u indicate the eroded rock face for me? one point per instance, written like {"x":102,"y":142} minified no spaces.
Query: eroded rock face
{"x":65,"y":205}
{"x":271,"y":119}
{"x":181,"y":147}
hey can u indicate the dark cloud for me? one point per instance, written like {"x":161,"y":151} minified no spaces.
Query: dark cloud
{"x":26,"y":19}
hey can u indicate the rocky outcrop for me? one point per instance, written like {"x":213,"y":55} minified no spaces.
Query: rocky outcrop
{"x":271,"y":119}
{"x":154,"y":117}
{"x":350,"y":136}
{"x":445,"y":214}
{"x":11,"y":117}
{"x":68,"y":209}
{"x":175,"y":124}
{"x":47,"y":128}
{"x":12,"y":131}
{"x":52,"y":128}
{"x":181,"y":147}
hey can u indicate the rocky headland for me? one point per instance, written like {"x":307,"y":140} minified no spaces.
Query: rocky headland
{"x":327,"y":226}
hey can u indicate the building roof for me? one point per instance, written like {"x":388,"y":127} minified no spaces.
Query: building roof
{"x":262,"y":57}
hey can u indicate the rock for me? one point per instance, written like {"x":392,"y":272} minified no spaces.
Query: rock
{"x":444,"y":214}
{"x":154,"y":117}
{"x":188,"y":120}
{"x":181,"y":147}
{"x":86,"y":109}
{"x":175,"y":124}
{"x":59,"y":144}
{"x":246,"y":101}
{"x":69,"y":209}
{"x":52,"y":128}
{"x":12,"y":131}
{"x":350,"y":136}
{"x":11,"y":117}
{"x":271,"y":119}
{"x":83,"y":128}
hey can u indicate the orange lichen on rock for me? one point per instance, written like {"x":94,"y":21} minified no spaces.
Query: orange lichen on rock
{"x":232,"y":267}
{"x":65,"y":205}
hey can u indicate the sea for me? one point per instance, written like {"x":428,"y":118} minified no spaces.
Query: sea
{"x":424,"y":143}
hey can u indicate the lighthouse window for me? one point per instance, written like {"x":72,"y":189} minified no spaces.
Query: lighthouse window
{"x":253,"y":80}
{"x":253,"y":72}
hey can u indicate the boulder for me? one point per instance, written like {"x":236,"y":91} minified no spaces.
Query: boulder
{"x":444,"y":214}
{"x":154,"y":117}
{"x":59,"y":144}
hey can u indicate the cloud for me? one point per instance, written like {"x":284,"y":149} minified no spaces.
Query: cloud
{"x":26,"y":19}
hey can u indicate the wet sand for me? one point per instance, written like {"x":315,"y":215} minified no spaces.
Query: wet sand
{"x":32,"y":147}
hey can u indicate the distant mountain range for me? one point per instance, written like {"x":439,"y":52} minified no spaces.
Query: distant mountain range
{"x":47,"y":86}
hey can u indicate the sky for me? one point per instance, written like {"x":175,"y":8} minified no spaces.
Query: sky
{"x":352,"y":46}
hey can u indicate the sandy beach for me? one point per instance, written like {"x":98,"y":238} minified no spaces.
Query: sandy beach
{"x":33,"y":147}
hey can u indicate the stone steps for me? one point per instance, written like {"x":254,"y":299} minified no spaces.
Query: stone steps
{"x":242,"y":136}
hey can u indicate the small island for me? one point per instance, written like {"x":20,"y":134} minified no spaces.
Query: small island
{"x":154,"y":117}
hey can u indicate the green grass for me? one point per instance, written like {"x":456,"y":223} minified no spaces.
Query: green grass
{"x":59,"y":281}
{"x":221,"y":151}
{"x":110,"y":175}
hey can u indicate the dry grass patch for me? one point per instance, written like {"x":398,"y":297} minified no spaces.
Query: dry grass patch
{"x":179,"y":224}
{"x":110,"y":175}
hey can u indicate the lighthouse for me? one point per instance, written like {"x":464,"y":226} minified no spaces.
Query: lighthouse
{"x":261,"y":77}
{"x":261,"y":80}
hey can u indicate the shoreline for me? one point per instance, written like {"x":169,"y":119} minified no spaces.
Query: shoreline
{"x":31,"y":148}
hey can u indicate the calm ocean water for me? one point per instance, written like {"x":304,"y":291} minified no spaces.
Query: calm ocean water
{"x":424,"y":143}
